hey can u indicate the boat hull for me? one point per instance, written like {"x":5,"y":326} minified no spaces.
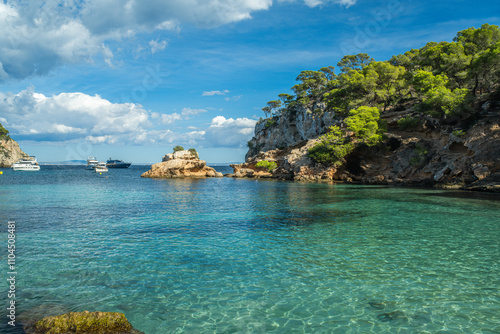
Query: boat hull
{"x":26,"y":168}
{"x":119,"y":165}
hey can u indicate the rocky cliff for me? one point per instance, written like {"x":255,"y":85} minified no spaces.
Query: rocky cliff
{"x":433,"y":153}
{"x":10,"y":152}
{"x":181,"y":164}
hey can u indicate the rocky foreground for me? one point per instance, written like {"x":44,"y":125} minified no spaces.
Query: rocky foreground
{"x":181,"y":164}
{"x":83,"y":323}
{"x":431,"y":154}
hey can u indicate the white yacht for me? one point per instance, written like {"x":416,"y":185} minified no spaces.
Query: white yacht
{"x":101,"y":167}
{"x":27,"y":164}
{"x":91,"y":163}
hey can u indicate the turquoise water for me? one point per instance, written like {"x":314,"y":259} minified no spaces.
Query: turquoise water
{"x":228,"y":255}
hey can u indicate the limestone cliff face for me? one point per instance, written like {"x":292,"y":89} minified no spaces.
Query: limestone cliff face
{"x":181,"y":164}
{"x":428,"y":155}
{"x":283,"y":132}
{"x":10,"y":152}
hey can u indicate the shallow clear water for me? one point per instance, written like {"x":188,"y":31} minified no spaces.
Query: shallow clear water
{"x":244,"y":256}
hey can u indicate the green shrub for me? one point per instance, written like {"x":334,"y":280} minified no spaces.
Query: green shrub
{"x":178,"y":148}
{"x":419,"y":155}
{"x":459,"y":133}
{"x":4,"y":133}
{"x":269,"y":165}
{"x":193,"y":151}
{"x":364,"y":122}
{"x":332,"y":149}
{"x":409,"y":123}
{"x":270,"y":122}
{"x":438,"y":99}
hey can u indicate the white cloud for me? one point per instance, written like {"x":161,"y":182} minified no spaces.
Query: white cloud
{"x":234,"y":98}
{"x":72,"y":115}
{"x":34,"y":43}
{"x":170,"y":118}
{"x":215,"y":92}
{"x":39,"y":35}
{"x":77,"y":116}
{"x":191,"y":112}
{"x":156,"y":46}
{"x":315,"y":3}
{"x":230,"y":132}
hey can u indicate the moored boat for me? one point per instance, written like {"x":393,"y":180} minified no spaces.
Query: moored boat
{"x":91,"y":163}
{"x":117,"y":164}
{"x":26,"y":164}
{"x":101,"y":167}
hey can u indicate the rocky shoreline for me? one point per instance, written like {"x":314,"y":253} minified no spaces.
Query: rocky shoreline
{"x":428,"y":155}
{"x":10,"y":152}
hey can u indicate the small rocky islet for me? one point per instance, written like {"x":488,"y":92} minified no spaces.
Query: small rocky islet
{"x":181,"y":164}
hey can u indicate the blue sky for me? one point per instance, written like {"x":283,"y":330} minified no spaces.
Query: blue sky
{"x":131,"y":80}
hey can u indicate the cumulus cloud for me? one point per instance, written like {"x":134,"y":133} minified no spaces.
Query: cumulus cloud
{"x":38,"y":35}
{"x":72,"y":115}
{"x":170,"y":118}
{"x":229,"y":132}
{"x":215,"y":92}
{"x":31,"y":44}
{"x":103,"y":16}
{"x":77,"y":116}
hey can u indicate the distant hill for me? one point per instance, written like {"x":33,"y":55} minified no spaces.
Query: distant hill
{"x":69,"y":162}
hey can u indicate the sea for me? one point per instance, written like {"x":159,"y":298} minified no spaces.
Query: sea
{"x":225,"y":255}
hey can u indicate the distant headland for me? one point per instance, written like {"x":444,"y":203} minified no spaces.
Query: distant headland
{"x":427,"y":117}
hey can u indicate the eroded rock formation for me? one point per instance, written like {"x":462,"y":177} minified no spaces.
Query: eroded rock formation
{"x":181,"y":164}
{"x":430,"y":154}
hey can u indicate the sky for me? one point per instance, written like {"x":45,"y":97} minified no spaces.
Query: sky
{"x":131,"y":79}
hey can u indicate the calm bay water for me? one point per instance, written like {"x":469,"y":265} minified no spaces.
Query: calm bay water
{"x":228,"y":255}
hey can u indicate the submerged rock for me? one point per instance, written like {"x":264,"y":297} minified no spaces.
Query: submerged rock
{"x":181,"y":164}
{"x":84,"y":322}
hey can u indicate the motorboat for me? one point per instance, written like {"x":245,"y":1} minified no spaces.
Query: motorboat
{"x":101,"y":167}
{"x":26,"y":164}
{"x":117,"y":164}
{"x":91,"y":163}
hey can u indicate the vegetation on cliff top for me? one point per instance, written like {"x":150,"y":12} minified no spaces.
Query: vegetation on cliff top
{"x":4,"y":133}
{"x":442,"y":80}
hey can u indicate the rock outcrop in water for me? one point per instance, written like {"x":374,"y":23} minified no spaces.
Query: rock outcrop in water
{"x":10,"y":152}
{"x":181,"y":164}
{"x":83,"y":323}
{"x":430,"y":154}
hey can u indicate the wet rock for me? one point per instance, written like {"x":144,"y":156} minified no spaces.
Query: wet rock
{"x":83,"y":323}
{"x":481,"y":172}
{"x":377,"y":305}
